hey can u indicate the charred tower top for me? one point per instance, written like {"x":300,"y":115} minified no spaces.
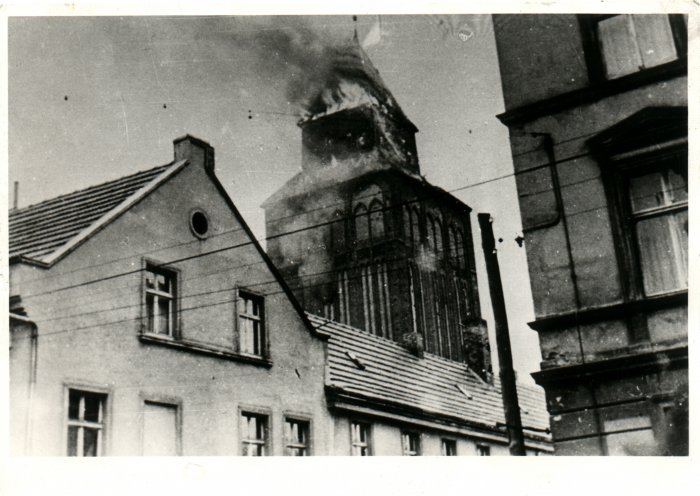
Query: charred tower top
{"x":356,"y":117}
{"x":373,"y":244}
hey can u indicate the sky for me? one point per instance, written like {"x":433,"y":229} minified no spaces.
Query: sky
{"x":95,"y":98}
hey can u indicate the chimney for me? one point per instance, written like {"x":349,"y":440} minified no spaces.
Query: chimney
{"x":195,"y":150}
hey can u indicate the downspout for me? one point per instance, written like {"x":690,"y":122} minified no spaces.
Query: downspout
{"x":549,"y":149}
{"x":33,"y":353}
{"x":556,"y":188}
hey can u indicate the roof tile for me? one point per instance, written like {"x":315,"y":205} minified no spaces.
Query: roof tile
{"x":434,"y":384}
{"x":39,"y":230}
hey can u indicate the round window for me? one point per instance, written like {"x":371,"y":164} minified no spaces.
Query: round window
{"x":199,"y":223}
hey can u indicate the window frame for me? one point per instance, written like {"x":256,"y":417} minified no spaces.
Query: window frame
{"x":168,"y":401}
{"x":368,"y":444}
{"x":242,"y":292}
{"x":105,"y":426}
{"x":149,"y":265}
{"x":626,"y":219}
{"x":588,"y":24}
{"x":483,"y":449}
{"x":646,"y":137}
{"x":444,"y":441}
{"x":259,"y":412}
{"x":361,"y":224}
{"x":632,"y":219}
{"x":302,"y":419}
{"x":406,"y":436}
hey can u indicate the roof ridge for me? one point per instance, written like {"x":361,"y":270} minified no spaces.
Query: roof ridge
{"x":83,"y":190}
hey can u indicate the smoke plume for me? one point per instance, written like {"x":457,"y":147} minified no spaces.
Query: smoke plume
{"x":286,"y":48}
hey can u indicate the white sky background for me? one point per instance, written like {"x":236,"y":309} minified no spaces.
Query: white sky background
{"x":92,"y":99}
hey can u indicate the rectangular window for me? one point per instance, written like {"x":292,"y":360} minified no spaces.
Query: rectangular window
{"x":449,"y":447}
{"x":659,"y":210}
{"x":85,"y":423}
{"x":631,"y":43}
{"x":160,"y":429}
{"x":160,"y":286}
{"x":254,"y":434}
{"x":410,"y":443}
{"x":296,"y":437}
{"x":361,"y":439}
{"x":483,"y":450}
{"x":629,"y":436}
{"x":251,"y":324}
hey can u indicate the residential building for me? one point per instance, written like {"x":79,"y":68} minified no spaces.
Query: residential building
{"x":145,"y":319}
{"x":387,"y":401}
{"x":596,"y":106}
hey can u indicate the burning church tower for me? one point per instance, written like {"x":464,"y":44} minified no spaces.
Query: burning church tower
{"x":371,"y":243}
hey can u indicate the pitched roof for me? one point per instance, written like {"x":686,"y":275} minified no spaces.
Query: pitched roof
{"x":376,"y":369}
{"x":41,"y":230}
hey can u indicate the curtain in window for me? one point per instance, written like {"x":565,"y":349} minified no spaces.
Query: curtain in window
{"x":663,"y":247}
{"x":658,"y":200}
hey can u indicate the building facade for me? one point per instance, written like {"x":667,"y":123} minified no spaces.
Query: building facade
{"x":596,"y":106}
{"x":148,"y":320}
{"x":375,"y":245}
{"x":145,"y":319}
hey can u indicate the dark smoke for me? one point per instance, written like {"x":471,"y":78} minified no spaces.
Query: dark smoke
{"x":287,"y":48}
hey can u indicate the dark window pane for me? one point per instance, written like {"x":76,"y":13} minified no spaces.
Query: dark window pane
{"x":449,"y":447}
{"x":90,"y":441}
{"x":677,"y":187}
{"x":150,"y":310}
{"x":647,"y":192}
{"x":73,"y":440}
{"x":438,"y":238}
{"x":163,"y":317}
{"x":377,"y":220}
{"x":361,"y":223}
{"x":415,"y":227}
{"x":73,"y":405}
{"x":163,"y":283}
{"x":92,"y":407}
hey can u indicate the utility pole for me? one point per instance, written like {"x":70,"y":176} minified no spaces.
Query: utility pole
{"x":509,"y":391}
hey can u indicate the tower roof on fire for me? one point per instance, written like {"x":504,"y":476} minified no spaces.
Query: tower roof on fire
{"x":350,"y":66}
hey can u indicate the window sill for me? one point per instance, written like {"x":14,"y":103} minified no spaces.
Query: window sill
{"x":597,"y":90}
{"x":610,"y":311}
{"x":204,"y":349}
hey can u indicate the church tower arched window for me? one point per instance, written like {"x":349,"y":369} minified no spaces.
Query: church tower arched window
{"x":361,"y":222}
{"x":338,"y":231}
{"x":376,"y":219}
